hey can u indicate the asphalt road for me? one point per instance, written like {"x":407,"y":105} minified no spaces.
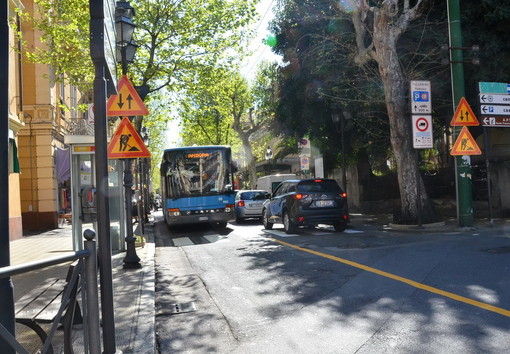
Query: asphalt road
{"x":367,"y":290}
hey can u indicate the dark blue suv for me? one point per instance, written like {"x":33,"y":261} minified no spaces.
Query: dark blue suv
{"x":306,"y":202}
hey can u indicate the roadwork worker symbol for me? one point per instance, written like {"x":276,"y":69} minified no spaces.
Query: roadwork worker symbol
{"x":465,"y":144}
{"x":126,"y":143}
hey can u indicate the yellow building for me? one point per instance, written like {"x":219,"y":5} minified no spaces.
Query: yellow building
{"x":15,"y":124}
{"x":43,"y":110}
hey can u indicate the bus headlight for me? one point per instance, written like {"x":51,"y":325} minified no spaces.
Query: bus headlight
{"x":174,"y":212}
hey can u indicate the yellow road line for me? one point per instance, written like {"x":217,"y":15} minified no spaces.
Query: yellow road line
{"x":413,"y":283}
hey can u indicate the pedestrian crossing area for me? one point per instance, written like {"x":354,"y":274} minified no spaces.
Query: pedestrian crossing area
{"x":191,"y":240}
{"x":197,"y":240}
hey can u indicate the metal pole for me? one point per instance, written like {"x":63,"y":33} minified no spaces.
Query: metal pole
{"x":131,"y":260}
{"x":488,"y":167}
{"x":103,"y":211}
{"x":6,"y":291}
{"x":418,"y":191}
{"x":462,"y":163}
{"x":344,"y":176}
{"x":142,"y":195}
{"x":93,"y":324}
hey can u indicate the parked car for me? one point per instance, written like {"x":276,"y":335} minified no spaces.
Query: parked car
{"x":248,"y":204}
{"x":306,"y":202}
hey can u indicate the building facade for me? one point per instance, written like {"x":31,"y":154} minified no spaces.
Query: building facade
{"x":42,"y":111}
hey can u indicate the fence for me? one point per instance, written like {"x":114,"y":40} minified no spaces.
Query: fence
{"x":87,"y":281}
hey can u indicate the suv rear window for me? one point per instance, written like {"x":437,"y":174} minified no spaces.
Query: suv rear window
{"x":326,"y":186}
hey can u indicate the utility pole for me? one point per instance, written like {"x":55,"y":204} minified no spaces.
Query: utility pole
{"x":6,"y":290}
{"x":462,"y":163}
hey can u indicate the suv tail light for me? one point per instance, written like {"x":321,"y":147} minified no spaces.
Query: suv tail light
{"x":299,"y":196}
{"x":343,"y":195}
{"x":240,"y":203}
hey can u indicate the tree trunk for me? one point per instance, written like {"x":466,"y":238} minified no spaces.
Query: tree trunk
{"x":252,"y":170}
{"x":395,"y":87}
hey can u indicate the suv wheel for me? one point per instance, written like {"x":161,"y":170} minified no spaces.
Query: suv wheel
{"x":339,"y":226}
{"x":288,"y":225}
{"x":265,"y":220}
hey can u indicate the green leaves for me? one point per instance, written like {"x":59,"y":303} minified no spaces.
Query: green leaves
{"x":62,"y":39}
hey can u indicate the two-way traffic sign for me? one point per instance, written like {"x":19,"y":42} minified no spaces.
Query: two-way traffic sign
{"x":464,"y":115}
{"x":127,"y":102}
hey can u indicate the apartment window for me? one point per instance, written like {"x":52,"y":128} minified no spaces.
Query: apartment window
{"x":74,"y":97}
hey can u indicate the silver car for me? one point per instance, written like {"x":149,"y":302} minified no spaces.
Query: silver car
{"x":248,"y":204}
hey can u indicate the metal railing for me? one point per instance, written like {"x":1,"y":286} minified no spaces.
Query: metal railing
{"x":79,"y":126}
{"x":89,"y":290}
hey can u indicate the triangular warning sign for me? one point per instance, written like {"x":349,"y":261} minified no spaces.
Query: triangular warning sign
{"x":465,"y":144}
{"x":126,"y":143}
{"x":127,"y":102}
{"x":464,"y":115}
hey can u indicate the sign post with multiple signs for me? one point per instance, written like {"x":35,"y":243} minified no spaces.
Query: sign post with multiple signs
{"x":127,"y":144}
{"x":421,"y":108}
{"x":463,"y":117}
{"x":495,"y":110}
{"x":494,"y":99}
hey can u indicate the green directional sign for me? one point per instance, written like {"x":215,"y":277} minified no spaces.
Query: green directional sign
{"x":494,"y":87}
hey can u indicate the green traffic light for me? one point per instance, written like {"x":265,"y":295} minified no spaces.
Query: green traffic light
{"x":271,"y":41}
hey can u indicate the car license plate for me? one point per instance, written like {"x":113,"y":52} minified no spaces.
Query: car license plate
{"x":203,"y":218}
{"x":323,"y":203}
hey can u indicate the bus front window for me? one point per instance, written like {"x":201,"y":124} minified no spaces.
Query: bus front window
{"x":197,"y":173}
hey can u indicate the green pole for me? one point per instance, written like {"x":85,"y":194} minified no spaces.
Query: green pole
{"x":462,"y":163}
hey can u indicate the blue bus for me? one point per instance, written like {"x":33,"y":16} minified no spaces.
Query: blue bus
{"x":197,"y":185}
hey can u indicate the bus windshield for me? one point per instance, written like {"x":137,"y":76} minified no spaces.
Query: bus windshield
{"x":196,"y":173}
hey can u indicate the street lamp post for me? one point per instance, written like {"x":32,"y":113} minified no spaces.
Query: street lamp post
{"x":126,"y":48}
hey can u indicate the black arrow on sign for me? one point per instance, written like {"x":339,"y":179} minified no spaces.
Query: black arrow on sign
{"x":129,"y":98}
{"x":120,"y":104}
{"x":484,"y":109}
{"x":483,"y":98}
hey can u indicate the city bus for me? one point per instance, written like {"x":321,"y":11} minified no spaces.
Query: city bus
{"x":197,"y":185}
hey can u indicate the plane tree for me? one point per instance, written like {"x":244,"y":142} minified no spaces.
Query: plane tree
{"x":223,"y":108}
{"x":361,"y":63}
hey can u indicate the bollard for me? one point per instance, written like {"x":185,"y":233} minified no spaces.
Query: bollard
{"x":91,"y":291}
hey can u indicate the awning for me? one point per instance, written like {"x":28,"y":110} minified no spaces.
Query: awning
{"x":63,"y":163}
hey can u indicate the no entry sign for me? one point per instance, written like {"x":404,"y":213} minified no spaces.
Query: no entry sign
{"x":422,"y":132}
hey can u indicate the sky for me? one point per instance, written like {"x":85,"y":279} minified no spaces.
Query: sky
{"x":260,"y":52}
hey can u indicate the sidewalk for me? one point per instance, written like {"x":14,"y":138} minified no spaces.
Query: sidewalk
{"x":133,"y":288}
{"x":448,"y":225}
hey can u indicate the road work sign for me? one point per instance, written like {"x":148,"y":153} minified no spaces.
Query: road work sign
{"x":465,"y":144}
{"x":126,"y":143}
{"x":127,"y":102}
